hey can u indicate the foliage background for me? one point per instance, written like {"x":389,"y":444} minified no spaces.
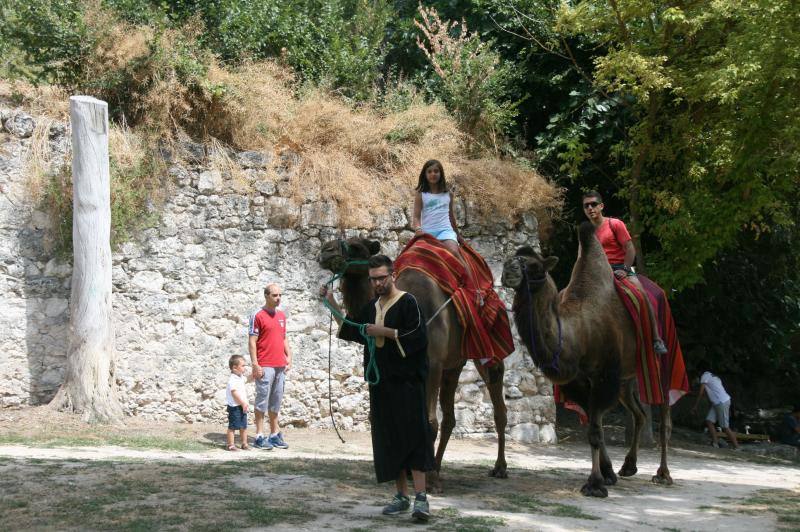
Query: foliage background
{"x":684,"y":115}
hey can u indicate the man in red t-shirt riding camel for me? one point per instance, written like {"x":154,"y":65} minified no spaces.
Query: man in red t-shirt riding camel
{"x":619,"y":248}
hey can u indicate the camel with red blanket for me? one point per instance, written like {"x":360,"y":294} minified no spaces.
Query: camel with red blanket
{"x":586,"y":342}
{"x":428,"y":270}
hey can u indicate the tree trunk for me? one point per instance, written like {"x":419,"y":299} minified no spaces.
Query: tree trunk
{"x":89,"y":387}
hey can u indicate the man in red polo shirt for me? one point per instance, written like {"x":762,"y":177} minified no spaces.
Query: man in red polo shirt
{"x":271,"y":358}
{"x":620,"y":251}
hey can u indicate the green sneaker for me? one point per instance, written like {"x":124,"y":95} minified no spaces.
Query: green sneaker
{"x":400,"y":503}
{"x":422,"y":510}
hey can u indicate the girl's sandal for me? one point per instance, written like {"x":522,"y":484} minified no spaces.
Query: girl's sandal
{"x":232,"y":448}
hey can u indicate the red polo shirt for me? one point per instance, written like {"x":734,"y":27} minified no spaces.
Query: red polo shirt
{"x":271,"y":332}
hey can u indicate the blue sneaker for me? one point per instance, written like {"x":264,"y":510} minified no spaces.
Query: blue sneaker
{"x":262,"y":443}
{"x":277,"y":441}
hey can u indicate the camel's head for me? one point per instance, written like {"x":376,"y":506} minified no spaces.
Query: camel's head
{"x":335,"y":254}
{"x":526,"y":266}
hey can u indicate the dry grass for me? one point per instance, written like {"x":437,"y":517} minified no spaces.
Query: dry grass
{"x":44,"y":100}
{"x":39,"y":159}
{"x":366,"y":159}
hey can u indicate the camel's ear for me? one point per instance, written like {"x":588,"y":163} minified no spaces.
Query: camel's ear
{"x":550,"y":263}
{"x":373,"y":246}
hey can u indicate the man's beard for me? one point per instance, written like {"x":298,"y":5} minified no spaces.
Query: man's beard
{"x":382,"y":290}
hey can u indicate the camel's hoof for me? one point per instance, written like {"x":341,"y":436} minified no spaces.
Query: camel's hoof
{"x":591,"y":490}
{"x":664,"y":480}
{"x":610,"y":479}
{"x":628,"y":471}
{"x":499,"y":472}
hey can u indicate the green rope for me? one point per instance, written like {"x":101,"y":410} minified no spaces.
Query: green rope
{"x":372,"y":366}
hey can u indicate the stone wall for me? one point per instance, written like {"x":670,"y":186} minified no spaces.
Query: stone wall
{"x":183,"y":291}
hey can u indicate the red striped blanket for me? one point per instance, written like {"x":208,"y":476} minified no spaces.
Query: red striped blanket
{"x":648,"y":369}
{"x":487,"y":334}
{"x":673,"y":369}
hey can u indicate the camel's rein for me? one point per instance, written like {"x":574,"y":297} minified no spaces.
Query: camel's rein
{"x":538,"y":282}
{"x":362,"y":329}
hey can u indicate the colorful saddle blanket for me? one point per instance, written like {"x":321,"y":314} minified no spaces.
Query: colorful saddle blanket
{"x":487,"y":333}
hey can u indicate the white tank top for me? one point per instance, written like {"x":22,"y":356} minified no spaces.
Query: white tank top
{"x":435,"y":212}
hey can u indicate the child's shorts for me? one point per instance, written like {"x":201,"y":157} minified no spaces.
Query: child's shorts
{"x":445,"y":234}
{"x":237,"y":417}
{"x":719,"y":414}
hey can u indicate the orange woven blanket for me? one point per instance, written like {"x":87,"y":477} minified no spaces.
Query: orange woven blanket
{"x":487,"y":334}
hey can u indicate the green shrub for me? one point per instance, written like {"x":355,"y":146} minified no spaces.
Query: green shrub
{"x":473,"y":81}
{"x":50,"y":36}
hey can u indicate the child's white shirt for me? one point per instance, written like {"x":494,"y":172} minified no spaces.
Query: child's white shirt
{"x":236,"y":382}
{"x":716,"y":393}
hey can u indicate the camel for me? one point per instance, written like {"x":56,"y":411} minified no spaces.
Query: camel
{"x":584,"y":340}
{"x":444,"y":343}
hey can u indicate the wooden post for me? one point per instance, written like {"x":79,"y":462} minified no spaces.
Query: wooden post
{"x":89,"y":387}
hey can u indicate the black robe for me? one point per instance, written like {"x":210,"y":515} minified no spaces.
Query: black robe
{"x":401,"y":435}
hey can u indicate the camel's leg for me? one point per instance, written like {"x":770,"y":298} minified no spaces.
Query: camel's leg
{"x":606,"y":469}
{"x":662,"y":476}
{"x":595,"y":484}
{"x":434,"y":383}
{"x":447,"y":401}
{"x":630,"y":400}
{"x":493,"y":377}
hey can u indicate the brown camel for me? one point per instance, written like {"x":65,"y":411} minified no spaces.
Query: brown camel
{"x":444,"y":343}
{"x":584,"y":340}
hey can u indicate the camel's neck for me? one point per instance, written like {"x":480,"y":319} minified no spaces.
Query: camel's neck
{"x":536,"y":313}
{"x":356,"y":292}
{"x":591,"y":276}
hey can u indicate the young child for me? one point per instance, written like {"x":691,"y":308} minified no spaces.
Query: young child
{"x":236,"y":395}
{"x":719,"y":413}
{"x":433,"y":207}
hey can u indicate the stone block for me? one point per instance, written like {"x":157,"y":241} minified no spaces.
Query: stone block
{"x":319,"y":213}
{"x":253,"y":159}
{"x":148,"y":281}
{"x":547,"y":434}
{"x":525,"y":433}
{"x":20,"y":125}
{"x":210,"y":182}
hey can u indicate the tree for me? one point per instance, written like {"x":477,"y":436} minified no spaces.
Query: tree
{"x":88,"y":387}
{"x":712,"y":144}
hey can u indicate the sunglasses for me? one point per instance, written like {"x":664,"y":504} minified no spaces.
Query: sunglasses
{"x":590,"y":204}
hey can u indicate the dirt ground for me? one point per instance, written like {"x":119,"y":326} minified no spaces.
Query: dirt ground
{"x":58,"y":473}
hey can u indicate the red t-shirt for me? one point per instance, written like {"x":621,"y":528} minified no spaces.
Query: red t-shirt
{"x":613,"y":236}
{"x":271,"y":332}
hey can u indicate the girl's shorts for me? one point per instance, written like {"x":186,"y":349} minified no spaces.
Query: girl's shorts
{"x":445,"y":234}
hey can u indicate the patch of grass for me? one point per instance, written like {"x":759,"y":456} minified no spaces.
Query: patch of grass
{"x":129,"y":441}
{"x":467,"y":523}
{"x":13,"y":503}
{"x":272,"y":515}
{"x":517,"y":502}
{"x":783,"y":503}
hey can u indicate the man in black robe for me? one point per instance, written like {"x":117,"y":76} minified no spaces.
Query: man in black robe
{"x":401,"y":435}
